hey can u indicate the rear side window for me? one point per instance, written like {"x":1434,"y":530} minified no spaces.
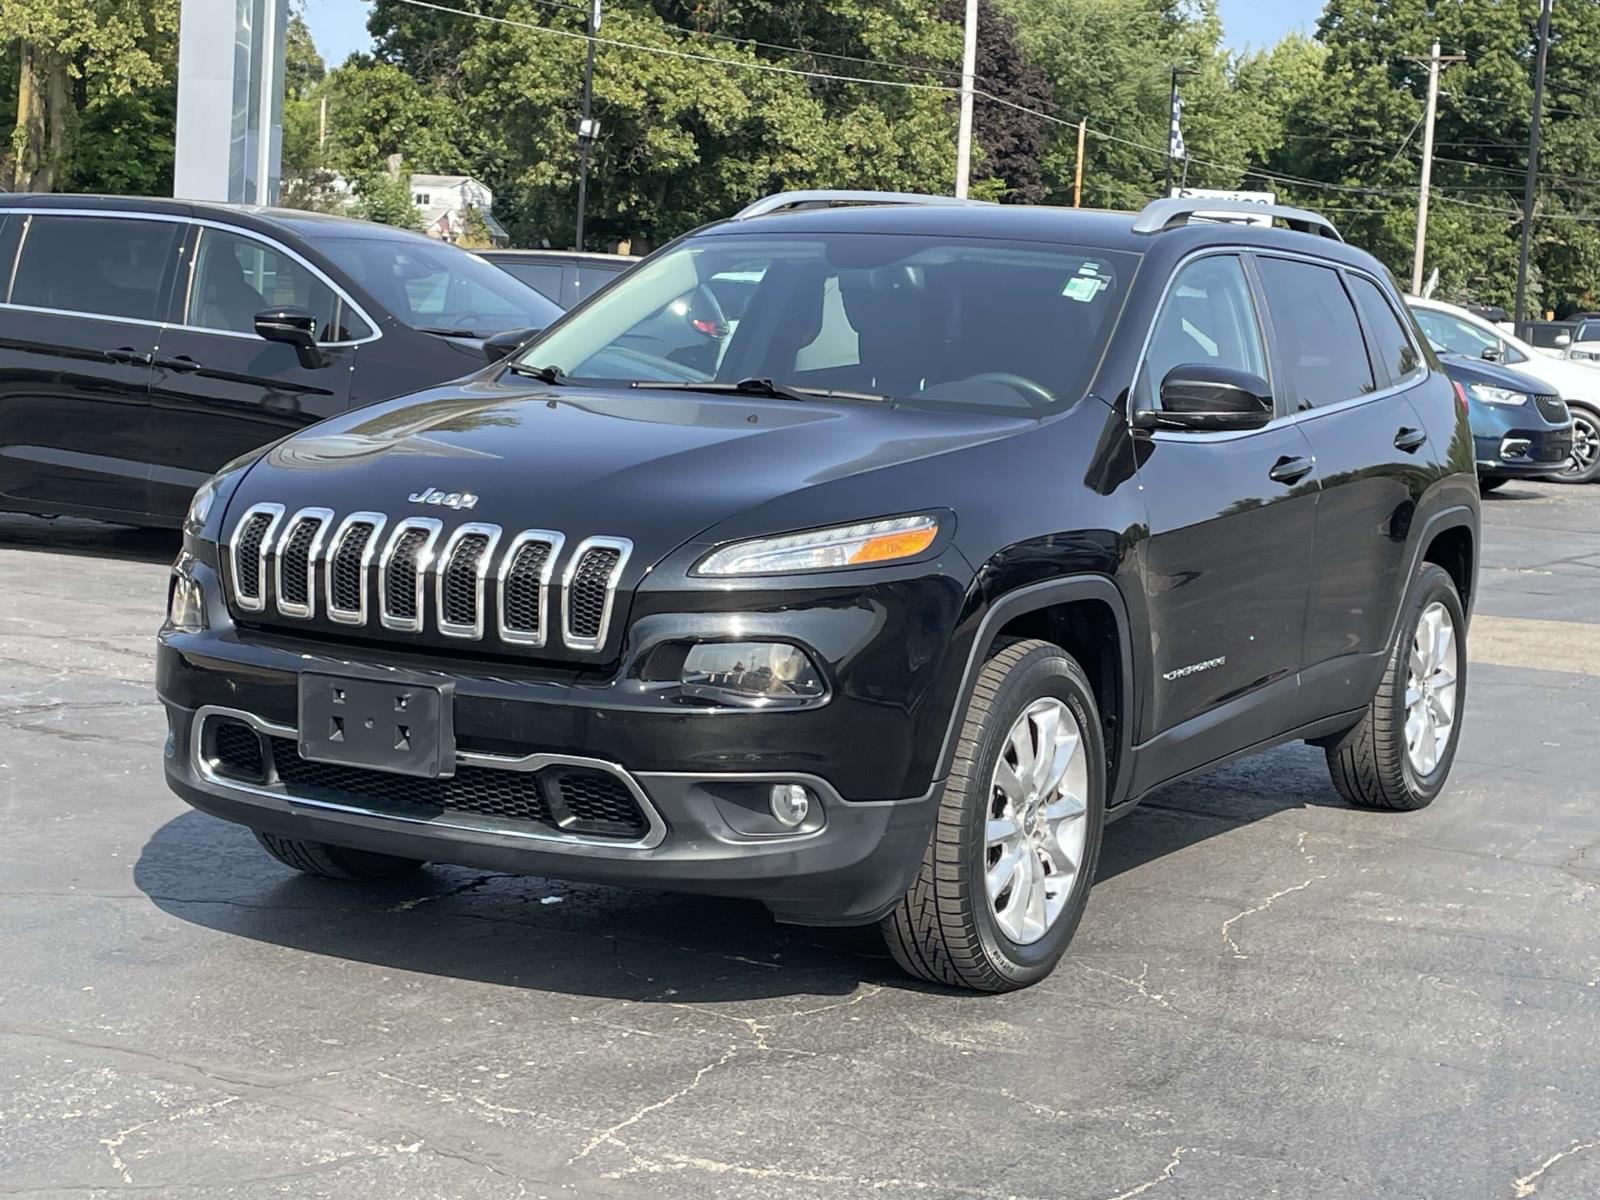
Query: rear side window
{"x":1317,"y":331}
{"x":106,"y":266}
{"x":1391,"y":345}
{"x":236,"y":277}
{"x":544,"y":278}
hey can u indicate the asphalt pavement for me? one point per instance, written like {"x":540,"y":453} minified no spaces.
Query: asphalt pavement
{"x":1272,"y":995}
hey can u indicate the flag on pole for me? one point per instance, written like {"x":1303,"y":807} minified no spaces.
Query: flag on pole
{"x":1175,"y":140}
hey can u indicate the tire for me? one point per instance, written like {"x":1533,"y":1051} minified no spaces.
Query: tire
{"x":1485,"y":486}
{"x":1373,"y":764}
{"x":1585,"y":464}
{"x":334,"y":862}
{"x":947,"y":929}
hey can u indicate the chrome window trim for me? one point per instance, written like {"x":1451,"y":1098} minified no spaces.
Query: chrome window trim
{"x":624,"y":548}
{"x":547,"y":574}
{"x":369,"y":554}
{"x":284,"y":801}
{"x":473,"y":632}
{"x":203,"y":222}
{"x":424,"y":561}
{"x":259,"y":602}
{"x":301,"y":612}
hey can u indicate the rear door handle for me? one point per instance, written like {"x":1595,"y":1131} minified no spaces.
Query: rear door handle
{"x":1291,"y":470}
{"x":181,"y":363}
{"x":1410,"y":440}
{"x":126,"y":354}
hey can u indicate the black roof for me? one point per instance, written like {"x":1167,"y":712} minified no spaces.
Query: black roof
{"x":284,"y":220}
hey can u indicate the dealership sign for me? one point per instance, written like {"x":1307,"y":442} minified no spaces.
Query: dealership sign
{"x":1225,"y":194}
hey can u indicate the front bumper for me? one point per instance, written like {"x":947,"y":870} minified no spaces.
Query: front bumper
{"x":851,"y":869}
{"x":1522,"y":452}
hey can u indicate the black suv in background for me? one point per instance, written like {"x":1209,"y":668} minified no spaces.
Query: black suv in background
{"x":145,"y":343}
{"x":873,"y":603}
{"x":563,"y":276}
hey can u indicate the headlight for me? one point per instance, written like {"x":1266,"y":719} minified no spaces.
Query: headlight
{"x":200,"y":506}
{"x":819,"y":549}
{"x":1584,"y":355}
{"x":1485,"y":394}
{"x":750,"y":674}
{"x":186,"y":599}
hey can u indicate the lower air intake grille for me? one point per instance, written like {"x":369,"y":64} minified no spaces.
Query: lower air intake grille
{"x":586,"y":603}
{"x":576,"y":800}
{"x":1553,"y":409}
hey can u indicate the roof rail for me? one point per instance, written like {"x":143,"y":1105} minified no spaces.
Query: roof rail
{"x":796,"y":201}
{"x":1159,"y":215}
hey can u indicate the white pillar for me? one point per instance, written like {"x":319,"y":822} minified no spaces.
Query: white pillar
{"x":230,"y":100}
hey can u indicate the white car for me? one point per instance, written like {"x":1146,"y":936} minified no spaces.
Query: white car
{"x":1461,"y":332}
{"x":1585,"y":345}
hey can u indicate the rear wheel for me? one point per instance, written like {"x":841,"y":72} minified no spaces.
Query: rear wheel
{"x":1007,"y":873}
{"x":1398,"y":756}
{"x":1584,"y":466}
{"x":334,"y":862}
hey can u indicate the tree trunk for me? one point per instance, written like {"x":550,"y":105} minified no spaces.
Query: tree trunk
{"x":44,"y":103}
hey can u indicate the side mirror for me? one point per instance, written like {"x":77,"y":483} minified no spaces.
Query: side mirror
{"x":295,"y":327}
{"x":1563,"y":339}
{"x":1204,"y":396}
{"x":1492,"y":354}
{"x":504,"y":345}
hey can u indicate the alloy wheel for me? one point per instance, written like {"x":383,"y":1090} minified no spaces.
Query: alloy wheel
{"x":1037,"y":824}
{"x":1431,"y":689}
{"x":1585,"y":443}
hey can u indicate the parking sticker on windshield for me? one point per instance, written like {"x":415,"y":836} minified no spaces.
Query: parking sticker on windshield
{"x":1082,"y":288}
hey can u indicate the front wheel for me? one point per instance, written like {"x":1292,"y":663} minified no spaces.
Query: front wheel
{"x":1584,"y":466}
{"x":1007,"y":872}
{"x":1398,"y":756}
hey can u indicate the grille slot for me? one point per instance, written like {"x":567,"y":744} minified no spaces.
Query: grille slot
{"x":247,"y":555}
{"x":1553,"y":409}
{"x":295,"y":568}
{"x":525,"y":575}
{"x":404,"y":566}
{"x":353,"y":548}
{"x":464,"y":566}
{"x":589,"y":588}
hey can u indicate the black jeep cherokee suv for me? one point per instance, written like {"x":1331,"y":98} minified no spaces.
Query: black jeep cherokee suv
{"x":872,"y":599}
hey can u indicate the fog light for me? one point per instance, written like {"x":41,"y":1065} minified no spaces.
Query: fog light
{"x":751,"y":674}
{"x":791,"y":803}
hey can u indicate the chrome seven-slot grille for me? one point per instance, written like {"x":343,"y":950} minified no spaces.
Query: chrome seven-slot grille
{"x":363,"y":572}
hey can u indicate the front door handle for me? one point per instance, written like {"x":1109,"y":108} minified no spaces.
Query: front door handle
{"x":1410,"y":440}
{"x":181,"y":363}
{"x":1291,"y":470}
{"x":126,"y":354}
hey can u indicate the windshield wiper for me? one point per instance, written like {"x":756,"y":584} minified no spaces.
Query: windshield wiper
{"x":551,"y":375}
{"x":443,"y":332}
{"x":761,"y":387}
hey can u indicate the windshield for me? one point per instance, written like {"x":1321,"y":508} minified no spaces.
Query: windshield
{"x":434,"y":286}
{"x":1587,"y":331}
{"x":927,"y":321}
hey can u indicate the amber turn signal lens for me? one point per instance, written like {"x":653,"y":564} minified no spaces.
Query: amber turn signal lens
{"x":889,"y":546}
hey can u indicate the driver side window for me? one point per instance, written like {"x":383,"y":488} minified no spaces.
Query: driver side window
{"x":1209,"y":317}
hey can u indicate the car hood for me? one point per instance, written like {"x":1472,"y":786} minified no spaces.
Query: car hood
{"x":1465,"y":370}
{"x":656,"y":467}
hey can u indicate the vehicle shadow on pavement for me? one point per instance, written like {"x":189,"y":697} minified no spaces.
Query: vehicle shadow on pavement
{"x":88,"y":539}
{"x":616,"y":943}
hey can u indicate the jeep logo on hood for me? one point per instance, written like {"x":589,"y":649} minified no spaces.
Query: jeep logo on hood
{"x":455,"y":500}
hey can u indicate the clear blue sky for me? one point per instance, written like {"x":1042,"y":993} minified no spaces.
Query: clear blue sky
{"x":340,"y":26}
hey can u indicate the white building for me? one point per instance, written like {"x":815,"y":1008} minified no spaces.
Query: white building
{"x":444,"y":201}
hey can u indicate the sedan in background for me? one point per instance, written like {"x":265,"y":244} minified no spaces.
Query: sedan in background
{"x":1460,"y":332}
{"x":1585,"y":344}
{"x":146,"y":343}
{"x":1520,"y":429}
{"x":562,"y":276}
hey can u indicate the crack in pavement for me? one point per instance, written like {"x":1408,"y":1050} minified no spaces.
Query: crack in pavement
{"x":1267,"y":902}
{"x":1526,"y":1185}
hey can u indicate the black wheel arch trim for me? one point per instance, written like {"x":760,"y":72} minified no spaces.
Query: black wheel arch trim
{"x":1033,"y":598}
{"x":1456,"y":516}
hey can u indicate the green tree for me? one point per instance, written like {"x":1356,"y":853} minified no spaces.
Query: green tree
{"x":383,"y":198}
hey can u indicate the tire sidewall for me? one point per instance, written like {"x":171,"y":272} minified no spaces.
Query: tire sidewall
{"x":1434,"y":584}
{"x":1046,"y":672}
{"x":1592,"y":418}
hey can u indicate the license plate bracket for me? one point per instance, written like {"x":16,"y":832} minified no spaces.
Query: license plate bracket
{"x":395,"y":724}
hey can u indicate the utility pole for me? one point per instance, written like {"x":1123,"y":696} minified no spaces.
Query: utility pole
{"x":969,"y":69}
{"x":1077,"y":173}
{"x":1434,"y":60}
{"x":588,"y":128}
{"x":1533,"y":165}
{"x":322,"y":124}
